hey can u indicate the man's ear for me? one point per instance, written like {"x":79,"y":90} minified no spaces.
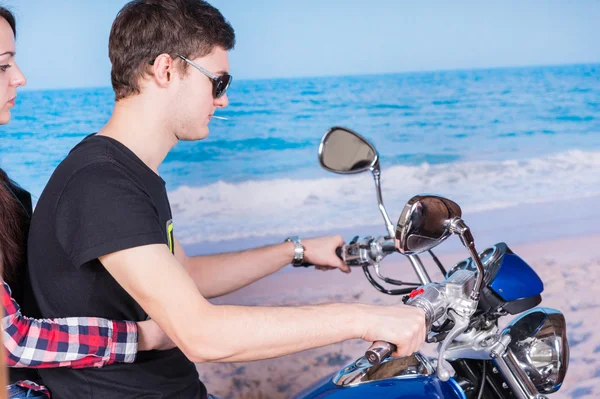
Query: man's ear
{"x":162,"y":69}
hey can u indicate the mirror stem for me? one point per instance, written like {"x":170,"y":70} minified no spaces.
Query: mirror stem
{"x":416,"y":263}
{"x":458,"y":226}
{"x":376,"y":176}
{"x":414,"y":259}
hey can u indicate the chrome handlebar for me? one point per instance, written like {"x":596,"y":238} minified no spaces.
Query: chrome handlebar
{"x":452,"y":299}
{"x":368,"y":251}
{"x":449,"y":299}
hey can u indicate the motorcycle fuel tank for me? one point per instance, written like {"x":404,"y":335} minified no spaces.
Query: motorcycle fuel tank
{"x":413,"y":388}
{"x":404,"y":377}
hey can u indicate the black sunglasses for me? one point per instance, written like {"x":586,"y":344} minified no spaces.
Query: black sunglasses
{"x":220,"y":83}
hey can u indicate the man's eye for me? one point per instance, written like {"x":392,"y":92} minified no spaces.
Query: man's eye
{"x":3,"y":68}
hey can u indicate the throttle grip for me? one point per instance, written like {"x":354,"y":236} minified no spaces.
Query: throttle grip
{"x":427,"y":298}
{"x":339,"y":251}
{"x":379,"y":351}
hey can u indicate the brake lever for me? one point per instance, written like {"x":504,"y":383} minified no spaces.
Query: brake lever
{"x":461,"y":323}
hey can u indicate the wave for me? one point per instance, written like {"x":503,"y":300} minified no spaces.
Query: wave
{"x":223,"y":210}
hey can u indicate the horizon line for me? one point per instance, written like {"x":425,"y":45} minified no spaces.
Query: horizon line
{"x":415,"y":72}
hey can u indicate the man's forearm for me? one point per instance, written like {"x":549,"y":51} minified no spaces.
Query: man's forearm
{"x":220,"y":274}
{"x":254,"y":333}
{"x":206,"y":332}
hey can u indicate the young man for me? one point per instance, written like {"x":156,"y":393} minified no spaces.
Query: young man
{"x":102,"y":241}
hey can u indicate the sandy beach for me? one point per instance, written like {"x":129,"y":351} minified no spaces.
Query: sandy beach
{"x":568,"y":265}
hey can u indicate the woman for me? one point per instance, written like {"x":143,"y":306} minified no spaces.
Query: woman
{"x":69,"y":342}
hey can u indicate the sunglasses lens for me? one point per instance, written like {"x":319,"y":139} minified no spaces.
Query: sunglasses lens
{"x":222,"y":85}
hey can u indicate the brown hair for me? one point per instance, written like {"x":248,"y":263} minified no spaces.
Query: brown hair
{"x":12,"y":230}
{"x":144,"y":29}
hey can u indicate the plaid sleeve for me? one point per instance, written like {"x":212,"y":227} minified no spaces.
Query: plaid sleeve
{"x":68,"y":342}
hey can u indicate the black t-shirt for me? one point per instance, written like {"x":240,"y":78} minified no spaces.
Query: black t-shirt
{"x":102,"y":199}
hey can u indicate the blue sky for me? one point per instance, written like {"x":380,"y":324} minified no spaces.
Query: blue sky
{"x":63,"y":43}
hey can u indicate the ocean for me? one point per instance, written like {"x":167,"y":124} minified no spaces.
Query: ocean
{"x":488,"y":139}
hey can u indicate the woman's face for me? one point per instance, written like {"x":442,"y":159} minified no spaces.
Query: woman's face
{"x":11,"y":76}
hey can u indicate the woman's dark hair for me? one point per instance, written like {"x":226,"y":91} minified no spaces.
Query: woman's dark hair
{"x":12,"y":230}
{"x":10,"y":18}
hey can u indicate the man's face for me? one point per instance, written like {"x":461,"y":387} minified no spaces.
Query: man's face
{"x":10,"y":74}
{"x":195,"y":101}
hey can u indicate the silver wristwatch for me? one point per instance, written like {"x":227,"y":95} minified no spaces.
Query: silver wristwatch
{"x":298,"y":250}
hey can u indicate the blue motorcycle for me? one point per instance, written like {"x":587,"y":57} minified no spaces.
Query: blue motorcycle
{"x":476,"y":359}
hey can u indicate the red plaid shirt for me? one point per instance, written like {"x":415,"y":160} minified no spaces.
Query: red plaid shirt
{"x":68,"y":342}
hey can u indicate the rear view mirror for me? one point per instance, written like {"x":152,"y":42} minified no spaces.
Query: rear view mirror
{"x":424,"y":223}
{"x":347,"y":152}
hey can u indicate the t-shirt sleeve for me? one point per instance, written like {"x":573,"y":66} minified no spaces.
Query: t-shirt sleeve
{"x":102,"y":210}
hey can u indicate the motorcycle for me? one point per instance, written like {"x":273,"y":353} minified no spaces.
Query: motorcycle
{"x":527,"y":359}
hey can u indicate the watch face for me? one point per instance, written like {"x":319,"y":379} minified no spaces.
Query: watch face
{"x":298,"y":250}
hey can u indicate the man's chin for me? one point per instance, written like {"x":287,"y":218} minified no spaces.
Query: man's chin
{"x":203,"y":133}
{"x":195,"y":136}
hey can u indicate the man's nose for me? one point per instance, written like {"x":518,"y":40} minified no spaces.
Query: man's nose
{"x":222,"y":102}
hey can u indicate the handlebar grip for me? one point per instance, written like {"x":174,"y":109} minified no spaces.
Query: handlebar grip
{"x":339,"y":251}
{"x":379,"y":351}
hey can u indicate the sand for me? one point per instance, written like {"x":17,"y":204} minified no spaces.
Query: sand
{"x":569,"y":268}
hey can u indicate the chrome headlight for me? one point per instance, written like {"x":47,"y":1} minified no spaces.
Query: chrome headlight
{"x":539,"y":344}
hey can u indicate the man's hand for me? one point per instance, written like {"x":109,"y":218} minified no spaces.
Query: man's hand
{"x":320,"y":251}
{"x":401,"y":325}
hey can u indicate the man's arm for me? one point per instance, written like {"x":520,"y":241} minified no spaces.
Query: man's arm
{"x":220,"y":274}
{"x":205,"y":332}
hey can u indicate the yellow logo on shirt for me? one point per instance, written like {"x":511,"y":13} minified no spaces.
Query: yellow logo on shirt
{"x":170,"y":238}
